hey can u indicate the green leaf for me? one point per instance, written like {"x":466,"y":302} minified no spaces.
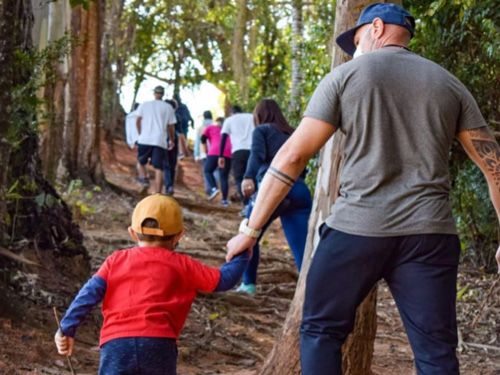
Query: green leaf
{"x":13,"y":187}
{"x":7,"y":219}
{"x":462,"y":291}
{"x":50,"y":200}
{"x":40,"y":199}
{"x":88,"y":195}
{"x":213,"y":316}
{"x":13,"y":196}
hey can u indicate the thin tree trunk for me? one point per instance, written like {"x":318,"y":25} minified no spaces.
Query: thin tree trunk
{"x":297,"y":30}
{"x":284,"y":359}
{"x":238,"y":50}
{"x":90,"y":161}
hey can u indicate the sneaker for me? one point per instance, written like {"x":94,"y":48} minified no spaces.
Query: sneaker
{"x":170,"y":191}
{"x":142,"y":180}
{"x":246,"y":288}
{"x":243,"y":212}
{"x":181,"y":156}
{"x":213,"y":194}
{"x":224,"y":203}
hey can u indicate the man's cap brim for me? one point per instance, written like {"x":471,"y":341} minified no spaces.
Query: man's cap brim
{"x":346,"y":40}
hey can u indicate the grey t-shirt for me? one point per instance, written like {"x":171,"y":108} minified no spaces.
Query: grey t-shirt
{"x":400,"y":114}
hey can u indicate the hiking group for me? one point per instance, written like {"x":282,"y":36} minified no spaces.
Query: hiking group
{"x":392,"y":220}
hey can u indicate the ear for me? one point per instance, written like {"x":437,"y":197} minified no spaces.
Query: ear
{"x":179,"y":236}
{"x":378,"y":28}
{"x":133,"y":234}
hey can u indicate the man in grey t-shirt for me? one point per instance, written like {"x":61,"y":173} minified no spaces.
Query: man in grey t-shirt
{"x":399,"y":113}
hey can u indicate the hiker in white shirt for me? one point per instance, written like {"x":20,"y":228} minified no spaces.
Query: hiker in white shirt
{"x":153,"y":119}
{"x":131,"y":127}
{"x":239,"y":126}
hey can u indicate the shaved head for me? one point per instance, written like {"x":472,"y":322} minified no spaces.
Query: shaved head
{"x":375,"y":35}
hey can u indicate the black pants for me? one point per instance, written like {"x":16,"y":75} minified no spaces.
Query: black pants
{"x":171,"y":166}
{"x":421,"y":271}
{"x":211,"y":164}
{"x":240,"y":160}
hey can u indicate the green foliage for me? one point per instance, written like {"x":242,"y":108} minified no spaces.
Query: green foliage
{"x":463,"y":36}
{"x":81,"y":201}
{"x":39,"y":66}
{"x":194,"y":39}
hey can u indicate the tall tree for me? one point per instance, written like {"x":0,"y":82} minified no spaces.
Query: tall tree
{"x":81,"y":146}
{"x":284,"y":359}
{"x":32,"y":209}
{"x":53,"y":15}
{"x":238,"y":53}
{"x":297,"y":30}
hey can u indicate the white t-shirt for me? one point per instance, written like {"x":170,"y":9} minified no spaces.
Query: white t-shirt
{"x":131,"y":128}
{"x":239,"y":127}
{"x":156,"y":115}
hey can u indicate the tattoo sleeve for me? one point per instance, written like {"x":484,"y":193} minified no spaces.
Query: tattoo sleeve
{"x":280,"y":176}
{"x":488,"y":150}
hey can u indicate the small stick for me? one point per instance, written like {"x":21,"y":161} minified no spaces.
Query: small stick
{"x":67,"y":356}
{"x":483,"y":305}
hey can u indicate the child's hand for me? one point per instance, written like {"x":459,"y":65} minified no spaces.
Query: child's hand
{"x":64,"y":344}
{"x":239,"y":244}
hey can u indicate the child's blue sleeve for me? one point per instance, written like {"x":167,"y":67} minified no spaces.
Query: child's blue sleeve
{"x":90,"y":295}
{"x":231,"y":272}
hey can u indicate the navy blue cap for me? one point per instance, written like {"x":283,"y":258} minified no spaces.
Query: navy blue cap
{"x":387,"y":12}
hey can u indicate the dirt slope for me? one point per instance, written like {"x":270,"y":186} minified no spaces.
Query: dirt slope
{"x":227,"y":333}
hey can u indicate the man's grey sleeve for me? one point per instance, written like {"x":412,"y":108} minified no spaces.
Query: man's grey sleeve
{"x":470,"y":115}
{"x":325,"y":102}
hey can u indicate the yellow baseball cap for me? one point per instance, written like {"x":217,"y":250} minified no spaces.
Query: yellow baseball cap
{"x":165,"y":210}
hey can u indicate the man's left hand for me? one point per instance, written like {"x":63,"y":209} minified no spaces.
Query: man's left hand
{"x":239,"y":244}
{"x":170,"y":145}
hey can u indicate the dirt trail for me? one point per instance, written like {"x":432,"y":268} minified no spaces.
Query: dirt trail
{"x":226,"y":333}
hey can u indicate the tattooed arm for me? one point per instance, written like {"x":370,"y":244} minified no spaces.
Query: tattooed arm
{"x":482,"y":147}
{"x":286,"y":167}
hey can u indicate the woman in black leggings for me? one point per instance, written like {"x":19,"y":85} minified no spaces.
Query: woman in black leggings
{"x":212,"y":134}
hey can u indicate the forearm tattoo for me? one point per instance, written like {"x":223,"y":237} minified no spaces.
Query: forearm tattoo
{"x":488,"y":150}
{"x":280,"y":176}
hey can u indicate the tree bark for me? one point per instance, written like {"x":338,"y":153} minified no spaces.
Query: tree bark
{"x":51,"y":133}
{"x":297,"y":30}
{"x":90,"y":160}
{"x":81,"y":146}
{"x":238,"y":50}
{"x":37,"y":214}
{"x":284,"y":359}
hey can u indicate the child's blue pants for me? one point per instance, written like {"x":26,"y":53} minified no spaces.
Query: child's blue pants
{"x":139,"y":356}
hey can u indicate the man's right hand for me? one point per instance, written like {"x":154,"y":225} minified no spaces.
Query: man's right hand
{"x":64,"y":344}
{"x":222,"y":163}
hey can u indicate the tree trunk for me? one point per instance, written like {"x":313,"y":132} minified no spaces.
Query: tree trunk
{"x":238,"y":50}
{"x":111,"y":79}
{"x":297,"y":29}
{"x":37,"y":216}
{"x":284,"y":359}
{"x":90,"y":160}
{"x":51,"y":133}
{"x":81,"y":146}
